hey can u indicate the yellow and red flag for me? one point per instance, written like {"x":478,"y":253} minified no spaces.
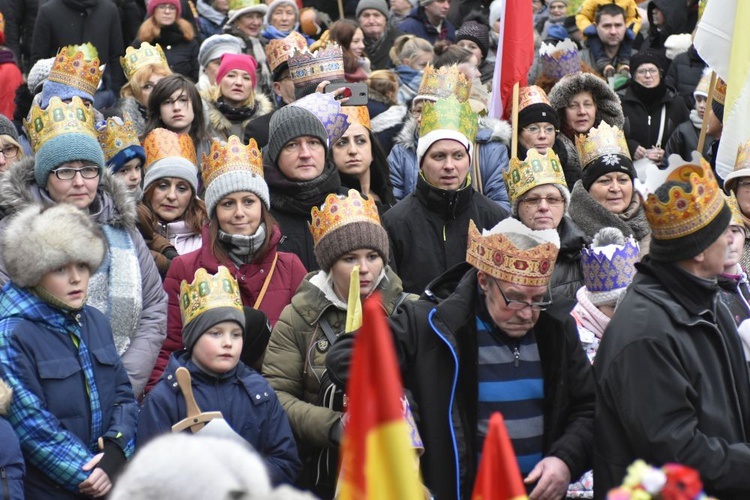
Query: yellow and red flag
{"x":499,"y":477}
{"x":377,"y":459}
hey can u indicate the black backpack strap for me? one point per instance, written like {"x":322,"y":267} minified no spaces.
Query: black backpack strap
{"x":400,"y":300}
{"x":328,"y":330}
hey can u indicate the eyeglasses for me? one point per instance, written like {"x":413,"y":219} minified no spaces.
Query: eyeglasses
{"x":646,"y":71}
{"x":9,"y":151}
{"x":517,"y":305}
{"x":535,"y":129}
{"x":67,"y":173}
{"x":534,"y":201}
{"x":166,"y":7}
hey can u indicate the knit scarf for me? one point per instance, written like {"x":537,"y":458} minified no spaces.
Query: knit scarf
{"x":591,"y":216}
{"x":272,"y":33}
{"x":696,"y":119}
{"x":648,"y":96}
{"x":236,"y":115}
{"x":242,"y":248}
{"x":298,"y":197}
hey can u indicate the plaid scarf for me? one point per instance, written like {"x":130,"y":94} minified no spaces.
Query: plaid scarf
{"x":242,"y":248}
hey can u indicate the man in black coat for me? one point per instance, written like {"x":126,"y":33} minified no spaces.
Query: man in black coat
{"x":671,"y":377}
{"x":19,"y":28}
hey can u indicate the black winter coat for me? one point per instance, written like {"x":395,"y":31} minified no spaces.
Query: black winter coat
{"x":182,"y":55}
{"x":644,"y":121}
{"x":436,"y":347}
{"x":428,"y":231}
{"x":567,"y":276}
{"x":684,"y":74}
{"x":684,"y":141}
{"x":20,"y":16}
{"x":672,"y":385}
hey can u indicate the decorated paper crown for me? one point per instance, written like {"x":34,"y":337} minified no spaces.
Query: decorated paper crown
{"x":2,"y":23}
{"x":136,"y":59}
{"x":603,"y":141}
{"x":449,"y":114}
{"x":357,"y":114}
{"x":536,"y":170}
{"x":670,"y":482}
{"x":734,"y":207}
{"x":720,"y":91}
{"x":531,"y":95}
{"x":208,"y":292}
{"x":336,"y":212}
{"x":307,"y":68}
{"x":560,"y":59}
{"x":327,"y":109}
{"x":77,"y":66}
{"x":685,"y":211}
{"x":117,"y":134}
{"x":610,"y":267}
{"x":161,"y":143}
{"x":279,"y":51}
{"x":495,"y":254}
{"x":231,"y":156}
{"x":743,"y":156}
{"x":241,"y":4}
{"x":444,"y":82}
{"x":58,"y":119}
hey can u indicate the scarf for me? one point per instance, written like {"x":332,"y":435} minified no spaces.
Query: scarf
{"x":171,"y":35}
{"x":298,"y":197}
{"x":236,"y":115}
{"x":272,"y":33}
{"x":591,"y":216}
{"x":648,"y":96}
{"x":696,"y":119}
{"x":242,"y":248}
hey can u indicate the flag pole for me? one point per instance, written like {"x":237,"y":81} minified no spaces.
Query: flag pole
{"x":514,"y":122}
{"x":704,"y":124}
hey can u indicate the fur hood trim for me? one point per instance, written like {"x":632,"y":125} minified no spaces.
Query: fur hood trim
{"x":220,"y":122}
{"x":406,"y":137}
{"x":130,"y":106}
{"x":6,"y":395}
{"x":490,"y":130}
{"x":500,"y":130}
{"x":608,"y":106}
{"x":391,"y":117}
{"x":114,"y":205}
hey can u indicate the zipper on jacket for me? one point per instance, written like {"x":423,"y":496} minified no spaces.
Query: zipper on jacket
{"x":516,"y":357}
{"x":6,"y":487}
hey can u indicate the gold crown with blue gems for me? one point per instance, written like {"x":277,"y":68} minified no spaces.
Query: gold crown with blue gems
{"x":207,"y":292}
{"x":449,"y":114}
{"x":231,"y":156}
{"x":337,"y":211}
{"x":536,"y":170}
{"x":117,"y":134}
{"x":77,"y":66}
{"x":58,"y":119}
{"x":136,"y":59}
{"x":602,"y":141}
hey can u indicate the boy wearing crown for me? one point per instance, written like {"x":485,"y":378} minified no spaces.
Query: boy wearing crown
{"x":213,"y":330}
{"x":671,"y":378}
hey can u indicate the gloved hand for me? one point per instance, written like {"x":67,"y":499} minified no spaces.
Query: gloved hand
{"x":339,"y":359}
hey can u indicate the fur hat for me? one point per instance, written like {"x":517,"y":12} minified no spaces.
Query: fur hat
{"x":39,"y":240}
{"x":608,"y":106}
{"x":152,"y":4}
{"x":379,"y":5}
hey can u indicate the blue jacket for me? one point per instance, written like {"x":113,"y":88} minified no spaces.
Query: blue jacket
{"x":70,"y":388}
{"x":243,"y":397}
{"x":416,"y":23}
{"x":12,"y":468}
{"x":493,"y":160}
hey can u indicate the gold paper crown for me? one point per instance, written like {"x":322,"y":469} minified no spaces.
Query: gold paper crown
{"x":357,"y":114}
{"x":337,"y":211}
{"x":443,"y":82}
{"x":536,"y":170}
{"x":496,"y":255}
{"x":449,"y":114}
{"x":161,"y":143}
{"x":241,"y":4}
{"x":602,"y":141}
{"x":734,"y":207}
{"x":720,"y":91}
{"x":279,"y":51}
{"x":531,"y":95}
{"x":743,"y":156}
{"x":147,"y":54}
{"x":685,"y":209}
{"x":58,"y":119}
{"x":117,"y":134}
{"x":231,"y":156}
{"x":208,"y":292}
{"x":77,"y":66}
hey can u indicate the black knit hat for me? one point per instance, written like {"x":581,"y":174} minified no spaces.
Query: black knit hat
{"x":538,"y":113}
{"x":476,"y":32}
{"x":289,"y":123}
{"x":604,"y":165}
{"x":647,"y":56}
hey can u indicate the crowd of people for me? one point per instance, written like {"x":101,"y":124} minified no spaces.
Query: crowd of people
{"x":186,"y":206}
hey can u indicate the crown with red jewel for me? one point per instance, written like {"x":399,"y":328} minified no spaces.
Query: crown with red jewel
{"x":77,"y":66}
{"x":338,"y":211}
{"x":231,"y":156}
{"x":146,"y":54}
{"x":279,"y":51}
{"x":117,"y":134}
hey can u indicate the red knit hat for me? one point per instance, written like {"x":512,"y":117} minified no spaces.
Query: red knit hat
{"x":152,"y":4}
{"x":242,"y":62}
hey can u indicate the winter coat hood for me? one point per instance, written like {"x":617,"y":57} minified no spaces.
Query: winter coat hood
{"x":607,"y":103}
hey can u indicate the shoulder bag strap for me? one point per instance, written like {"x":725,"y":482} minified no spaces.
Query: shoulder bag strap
{"x":265,"y":283}
{"x":327,"y":330}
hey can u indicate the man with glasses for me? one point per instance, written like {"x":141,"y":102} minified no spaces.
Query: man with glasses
{"x":486,"y":337}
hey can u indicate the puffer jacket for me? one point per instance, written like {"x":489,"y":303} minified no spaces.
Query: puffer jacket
{"x":244,"y":399}
{"x":113,"y":207}
{"x":12,"y":466}
{"x":221,"y":127}
{"x":57,"y":410}
{"x":491,"y":146}
{"x":684,"y":140}
{"x":287,"y":276}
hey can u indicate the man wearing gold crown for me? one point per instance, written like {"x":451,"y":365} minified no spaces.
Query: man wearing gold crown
{"x":671,"y":378}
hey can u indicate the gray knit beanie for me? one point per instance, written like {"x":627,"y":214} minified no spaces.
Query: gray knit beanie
{"x":39,"y":74}
{"x":289,"y":123}
{"x":233,"y":182}
{"x":352,"y":236}
{"x":7,"y":128}
{"x":172,"y":166}
{"x":379,"y":5}
{"x":199,"y":325}
{"x":217,"y":45}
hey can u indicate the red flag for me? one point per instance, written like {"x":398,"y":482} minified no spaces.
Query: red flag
{"x":515,"y":54}
{"x":499,"y":477}
{"x":377,"y":459}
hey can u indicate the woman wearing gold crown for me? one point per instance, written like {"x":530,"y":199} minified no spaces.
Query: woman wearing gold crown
{"x":69,"y":168}
{"x":347,"y":233}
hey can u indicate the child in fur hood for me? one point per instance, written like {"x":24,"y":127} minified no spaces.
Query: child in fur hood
{"x":73,"y":408}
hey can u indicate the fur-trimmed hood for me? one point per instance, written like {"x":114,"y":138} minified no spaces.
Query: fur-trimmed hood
{"x":391,"y":117}
{"x":6,"y":395}
{"x":490,"y":130}
{"x":114,"y":205}
{"x":608,"y":106}
{"x":130,"y":106}
{"x":217,"y":121}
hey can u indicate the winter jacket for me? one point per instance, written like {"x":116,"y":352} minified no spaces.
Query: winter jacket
{"x":257,"y":129}
{"x":675,"y":19}
{"x":221,"y":126}
{"x":672,"y":384}
{"x":387,"y":125}
{"x":684,"y":140}
{"x":435,"y":340}
{"x":66,"y":395}
{"x":567,"y":276}
{"x":377,"y":51}
{"x":113,"y":208}
{"x":644,"y":121}
{"x":182,"y":54}
{"x":69,"y":22}
{"x":12,"y":78}
{"x":20,"y":16}
{"x":245,"y":400}
{"x":427,"y":230}
{"x":409,"y":80}
{"x":491,"y":141}
{"x":287,"y":276}
{"x":12,"y":466}
{"x":685,"y":73}
{"x":416,"y":23}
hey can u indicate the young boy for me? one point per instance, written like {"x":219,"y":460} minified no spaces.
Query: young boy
{"x":73,"y":408}
{"x":213,"y":328}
